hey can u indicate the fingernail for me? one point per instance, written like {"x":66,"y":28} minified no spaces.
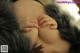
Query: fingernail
{"x":52,"y":26}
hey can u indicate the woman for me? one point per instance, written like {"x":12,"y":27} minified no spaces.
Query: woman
{"x":65,"y":38}
{"x":55,"y":35}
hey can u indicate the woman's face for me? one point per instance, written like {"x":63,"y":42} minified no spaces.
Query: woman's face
{"x":31,"y":12}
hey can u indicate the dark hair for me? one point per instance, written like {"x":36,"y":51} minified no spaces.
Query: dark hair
{"x":67,"y":32}
{"x":11,"y":35}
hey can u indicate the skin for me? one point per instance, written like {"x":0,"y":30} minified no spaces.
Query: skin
{"x":39,"y":27}
{"x":27,"y":14}
{"x":66,"y":7}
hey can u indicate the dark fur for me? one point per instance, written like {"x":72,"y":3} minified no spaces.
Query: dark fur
{"x":68,"y":33}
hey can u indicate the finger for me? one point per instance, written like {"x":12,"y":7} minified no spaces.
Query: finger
{"x":30,"y":25}
{"x":41,"y":19}
{"x":51,"y":24}
{"x":46,"y":23}
{"x":44,"y":20}
{"x":24,"y":30}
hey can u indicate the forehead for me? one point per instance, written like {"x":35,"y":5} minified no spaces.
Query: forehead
{"x":28,"y":8}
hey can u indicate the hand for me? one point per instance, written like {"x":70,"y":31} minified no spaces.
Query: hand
{"x":48,"y":31}
{"x":29,"y":26}
{"x":30,"y":30}
{"x":47,"y":21}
